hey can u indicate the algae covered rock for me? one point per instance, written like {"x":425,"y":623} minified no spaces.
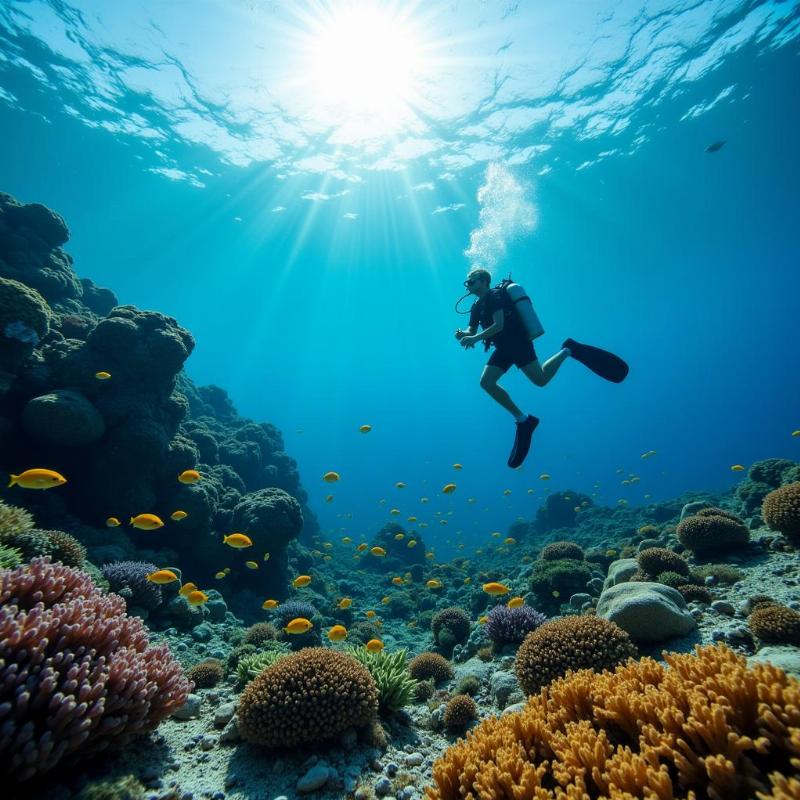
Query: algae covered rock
{"x":649,"y":612}
{"x":63,"y":418}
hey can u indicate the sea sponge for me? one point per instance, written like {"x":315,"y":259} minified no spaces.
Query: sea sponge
{"x":553,"y":582}
{"x":74,"y":670}
{"x":702,"y":725}
{"x":307,"y":697}
{"x":775,"y":624}
{"x":559,"y":550}
{"x":506,"y":625}
{"x":259,"y":633}
{"x":705,"y":534}
{"x":206,"y":674}
{"x":781,"y":511}
{"x":655,"y":560}
{"x":14,"y":519}
{"x":450,"y":626}
{"x":129,"y":580}
{"x":390,"y":672}
{"x":586,"y":642}
{"x":460,"y":711}
{"x":430,"y":665}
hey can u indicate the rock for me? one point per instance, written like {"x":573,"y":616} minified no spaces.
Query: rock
{"x":223,"y":714}
{"x":208,"y":742}
{"x":502,"y":685}
{"x":512,"y":709}
{"x":649,"y":612}
{"x":415,"y":759}
{"x":230,"y":734}
{"x":202,"y":632}
{"x":595,"y":585}
{"x":692,"y":508}
{"x":190,"y":709}
{"x":63,"y":418}
{"x":577,"y":600}
{"x":785,"y":657}
{"x":647,"y":543}
{"x":216,"y":608}
{"x":620,"y":571}
{"x":383,"y":786}
{"x":723,"y":607}
{"x":314,"y":779}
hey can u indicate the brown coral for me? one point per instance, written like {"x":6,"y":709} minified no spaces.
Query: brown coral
{"x":703,"y":726}
{"x":781,"y":511}
{"x":460,"y":711}
{"x":430,"y":665}
{"x":558,"y":550}
{"x":259,"y":633}
{"x":64,"y":547}
{"x":775,"y":624}
{"x":712,"y":533}
{"x":693,"y":593}
{"x":655,"y":560}
{"x":206,"y":674}
{"x":586,"y":642}
{"x":307,"y":697}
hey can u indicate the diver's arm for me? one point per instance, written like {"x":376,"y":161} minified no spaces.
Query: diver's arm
{"x":498,"y":320}
{"x":468,"y":331}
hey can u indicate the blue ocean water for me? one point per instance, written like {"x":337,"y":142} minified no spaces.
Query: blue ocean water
{"x":314,"y":238}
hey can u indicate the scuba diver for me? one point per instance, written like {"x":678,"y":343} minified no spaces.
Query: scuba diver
{"x":509,"y":322}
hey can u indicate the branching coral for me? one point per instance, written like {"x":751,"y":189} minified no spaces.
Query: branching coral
{"x":703,"y":725}
{"x":781,"y":510}
{"x":558,"y":550}
{"x":506,"y":625}
{"x":712,"y":531}
{"x":430,"y":665}
{"x":775,"y":624}
{"x":566,"y":643}
{"x":390,"y":672}
{"x":77,"y":675}
{"x":307,"y":697}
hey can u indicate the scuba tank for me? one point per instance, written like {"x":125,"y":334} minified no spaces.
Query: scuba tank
{"x":524,"y":307}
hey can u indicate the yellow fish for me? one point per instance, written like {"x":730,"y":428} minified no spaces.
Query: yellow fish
{"x":443,"y":522}
{"x":400,"y":485}
{"x":429,"y":555}
{"x":365,"y":428}
{"x":268,"y":605}
{"x":424,"y":500}
{"x":251,"y":564}
{"x":737,"y":468}
{"x":327,"y":558}
{"x":299,"y":625}
{"x":515,"y":602}
{"x":337,"y":633}
{"x":544,"y":477}
{"x":385,"y":600}
{"x":509,"y":540}
{"x":344,"y":603}
{"x":177,"y":516}
{"x":506,"y":492}
{"x":467,"y":581}
{"x":423,"y":524}
{"x":576,"y":509}
{"x":622,"y":502}
{"x":189,"y":476}
{"x":227,"y":570}
{"x":102,"y":375}
{"x":113,"y":522}
{"x":483,"y":620}
{"x":196,"y":598}
{"x":346,"y":540}
{"x":412,"y":519}
{"x":531,"y":491}
{"x":556,"y":593}
{"x":398,"y":537}
{"x":327,"y":545}
{"x":237,"y":540}
{"x":220,"y":575}
{"x":795,"y":433}
{"x":162,"y":576}
{"x":374,"y":646}
{"x":457,"y":466}
{"x":331,"y":477}
{"x":495,"y":588}
{"x":370,"y":614}
{"x":434,"y":583}
{"x":397,"y":580}
{"x":300,"y":581}
{"x":377,"y":551}
{"x":394,"y":512}
{"x":187,"y":588}
{"x":147,"y":522}
{"x":411,"y":543}
{"x":496,"y":534}
{"x":448,"y":488}
{"x":266,"y":557}
{"x":362,"y":547}
{"x":328,"y":498}
{"x":37,"y":479}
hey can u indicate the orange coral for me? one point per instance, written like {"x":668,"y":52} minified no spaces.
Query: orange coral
{"x":706,"y":725}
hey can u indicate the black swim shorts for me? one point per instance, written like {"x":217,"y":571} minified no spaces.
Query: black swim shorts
{"x":518,"y":352}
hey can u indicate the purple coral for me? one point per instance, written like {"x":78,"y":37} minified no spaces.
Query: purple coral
{"x":129,"y":580}
{"x":77,"y":675}
{"x":506,"y":625}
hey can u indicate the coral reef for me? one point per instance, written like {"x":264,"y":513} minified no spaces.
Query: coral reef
{"x":129,"y":580}
{"x":655,"y":560}
{"x":558,"y":510}
{"x":459,"y":711}
{"x":307,"y":697}
{"x":430,"y":665}
{"x":775,"y":624}
{"x":553,"y":582}
{"x":60,"y":546}
{"x":693,"y":593}
{"x":781,"y":510}
{"x":556,"y":551}
{"x":390,"y":672}
{"x":710,"y":532}
{"x":251,"y":665}
{"x":259,"y":633}
{"x":78,"y":674}
{"x":450,"y":626}
{"x":206,"y":674}
{"x":627,"y":734}
{"x":570,"y":643}
{"x":14,"y":519}
{"x":506,"y":625}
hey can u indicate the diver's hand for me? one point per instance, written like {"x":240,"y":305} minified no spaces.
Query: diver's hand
{"x":468,"y":341}
{"x":460,"y":334}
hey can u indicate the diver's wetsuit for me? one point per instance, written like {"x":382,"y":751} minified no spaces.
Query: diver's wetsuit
{"x":512,"y":345}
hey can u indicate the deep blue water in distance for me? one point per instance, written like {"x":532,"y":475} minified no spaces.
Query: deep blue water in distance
{"x":684,"y":262}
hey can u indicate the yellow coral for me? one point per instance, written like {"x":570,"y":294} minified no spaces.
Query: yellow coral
{"x":706,"y":725}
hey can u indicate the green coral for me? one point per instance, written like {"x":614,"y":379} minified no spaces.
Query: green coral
{"x":251,"y":665}
{"x":10,"y":557}
{"x":724,"y":573}
{"x":19,"y":303}
{"x":390,"y":672}
{"x":124,"y":788}
{"x":14,"y":519}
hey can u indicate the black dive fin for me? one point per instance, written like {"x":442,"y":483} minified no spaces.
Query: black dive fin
{"x":599,"y":361}
{"x":522,"y":441}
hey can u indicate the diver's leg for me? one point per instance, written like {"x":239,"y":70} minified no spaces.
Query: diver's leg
{"x":542,"y":374}
{"x":489,"y":378}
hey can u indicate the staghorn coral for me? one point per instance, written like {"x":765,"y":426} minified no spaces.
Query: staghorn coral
{"x":307,"y":697}
{"x":460,"y":711}
{"x":506,"y":625}
{"x":430,"y":665}
{"x":710,"y":533}
{"x":703,"y":725}
{"x":655,"y":560}
{"x":450,"y":627}
{"x":259,"y":633}
{"x":566,"y":643}
{"x":206,"y":674}
{"x":775,"y":624}
{"x":558,"y":550}
{"x":781,"y":511}
{"x":14,"y":519}
{"x":390,"y":672}
{"x":78,"y":674}
{"x":129,"y":580}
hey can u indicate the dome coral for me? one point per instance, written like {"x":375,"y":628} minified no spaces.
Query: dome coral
{"x":715,"y":532}
{"x":781,"y":510}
